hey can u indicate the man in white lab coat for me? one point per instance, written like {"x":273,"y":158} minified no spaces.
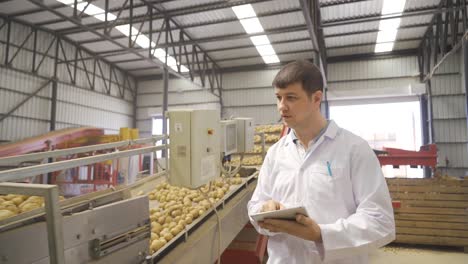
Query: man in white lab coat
{"x":333,"y":173}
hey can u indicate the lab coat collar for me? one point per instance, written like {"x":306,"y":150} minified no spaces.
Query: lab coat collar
{"x":331,"y":132}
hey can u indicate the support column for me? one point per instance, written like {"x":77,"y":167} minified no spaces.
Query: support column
{"x":53,"y":106}
{"x":135,"y":103}
{"x":424,"y":128}
{"x":464,"y":72}
{"x":165,"y":105}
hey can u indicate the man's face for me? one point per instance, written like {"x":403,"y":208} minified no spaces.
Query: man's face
{"x":296,"y":107}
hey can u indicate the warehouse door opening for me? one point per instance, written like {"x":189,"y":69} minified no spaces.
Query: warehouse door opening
{"x":157,"y":129}
{"x":395,"y":125}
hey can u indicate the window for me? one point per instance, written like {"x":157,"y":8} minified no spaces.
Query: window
{"x":157,"y":129}
{"x":396,"y":125}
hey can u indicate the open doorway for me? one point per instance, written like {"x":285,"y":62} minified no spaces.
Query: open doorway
{"x":396,"y":125}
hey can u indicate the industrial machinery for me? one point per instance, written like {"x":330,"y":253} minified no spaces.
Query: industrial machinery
{"x":114,"y":225}
{"x":228,"y":137}
{"x":195,"y":147}
{"x":101,"y":227}
{"x":426,"y":156}
{"x":245,"y":134}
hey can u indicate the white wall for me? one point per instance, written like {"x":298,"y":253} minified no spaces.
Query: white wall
{"x":77,"y":104}
{"x":449,"y":115}
{"x":394,"y":79}
{"x":182,"y":94}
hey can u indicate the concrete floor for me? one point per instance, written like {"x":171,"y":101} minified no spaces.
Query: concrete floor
{"x":398,"y":254}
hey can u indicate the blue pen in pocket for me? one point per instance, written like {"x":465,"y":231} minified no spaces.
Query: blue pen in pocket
{"x":329,"y":169}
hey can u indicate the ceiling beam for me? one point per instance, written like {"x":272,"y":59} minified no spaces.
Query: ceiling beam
{"x":367,"y":56}
{"x":40,"y":4}
{"x":165,"y":14}
{"x":202,"y":24}
{"x":431,"y":10}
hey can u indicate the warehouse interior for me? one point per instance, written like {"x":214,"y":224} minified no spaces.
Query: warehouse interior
{"x":87,"y":88}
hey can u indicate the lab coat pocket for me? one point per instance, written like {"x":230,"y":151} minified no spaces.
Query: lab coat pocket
{"x":323,"y":183}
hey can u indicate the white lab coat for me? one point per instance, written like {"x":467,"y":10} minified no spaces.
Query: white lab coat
{"x":352,"y":206}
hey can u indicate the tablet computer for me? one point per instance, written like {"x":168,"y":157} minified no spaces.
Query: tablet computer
{"x":283,"y":214}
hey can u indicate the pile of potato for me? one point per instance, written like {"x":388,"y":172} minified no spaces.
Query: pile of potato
{"x":248,"y":161}
{"x":258,"y":149}
{"x":269,"y":138}
{"x":180,"y":206}
{"x":269,"y":128}
{"x":13,"y":204}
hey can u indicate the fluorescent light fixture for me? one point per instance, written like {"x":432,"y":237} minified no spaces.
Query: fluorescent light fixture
{"x":124,"y":29}
{"x":393,"y":6}
{"x":244,"y":11}
{"x":383,"y":47}
{"x":270,"y":59}
{"x":183,"y":69}
{"x":170,"y":60}
{"x":265,"y":50}
{"x":142,"y":41}
{"x":260,"y":40}
{"x":387,"y":36}
{"x":102,"y":17}
{"x":389,"y":24}
{"x":68,"y":2}
{"x":388,"y":28}
{"x":159,"y":53}
{"x":90,"y":10}
{"x":252,"y":25}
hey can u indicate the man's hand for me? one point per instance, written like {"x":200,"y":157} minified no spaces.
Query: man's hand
{"x":304,"y":227}
{"x":271,"y":206}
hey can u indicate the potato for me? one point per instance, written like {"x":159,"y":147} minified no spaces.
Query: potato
{"x":168,"y":219}
{"x":10,"y":206}
{"x":17,"y":200}
{"x":154,"y":235}
{"x":6,"y":214}
{"x":175,"y":231}
{"x":162,"y":220}
{"x":201,"y":211}
{"x":195,"y":213}
{"x":156,"y":245}
{"x":29,"y":207}
{"x":176,"y":212}
{"x":182,"y":223}
{"x":168,"y":236}
{"x":156,"y":227}
{"x":8,"y":197}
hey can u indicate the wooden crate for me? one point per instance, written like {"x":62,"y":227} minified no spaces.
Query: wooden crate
{"x":432,"y":212}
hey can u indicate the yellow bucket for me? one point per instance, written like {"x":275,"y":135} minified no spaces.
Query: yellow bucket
{"x":134,"y":133}
{"x":124,"y":133}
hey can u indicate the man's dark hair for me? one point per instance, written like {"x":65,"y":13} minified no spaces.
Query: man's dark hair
{"x":300,"y":71}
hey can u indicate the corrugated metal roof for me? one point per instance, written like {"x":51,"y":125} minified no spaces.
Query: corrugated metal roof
{"x":204,"y":19}
{"x":289,"y":36}
{"x":275,"y":5}
{"x":351,"y":39}
{"x":207,"y":16}
{"x":234,"y":27}
{"x":282,"y":20}
{"x":374,"y":25}
{"x":416,"y":4}
{"x":406,"y":33}
{"x":351,"y":10}
{"x":416,"y":20}
{"x":171,"y":5}
{"x":226,"y":43}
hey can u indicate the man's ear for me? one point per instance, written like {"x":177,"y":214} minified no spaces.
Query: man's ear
{"x":317,"y":97}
